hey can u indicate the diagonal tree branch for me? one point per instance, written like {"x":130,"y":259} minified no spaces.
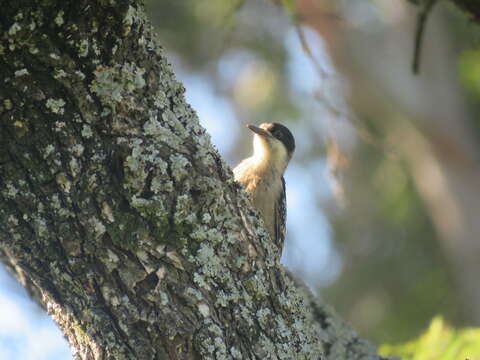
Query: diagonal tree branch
{"x":117,"y":213}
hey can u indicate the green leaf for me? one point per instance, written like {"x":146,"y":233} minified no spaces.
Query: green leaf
{"x":439,"y":342}
{"x":289,"y":6}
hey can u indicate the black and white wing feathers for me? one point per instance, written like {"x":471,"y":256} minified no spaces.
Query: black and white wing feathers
{"x":280,"y":217}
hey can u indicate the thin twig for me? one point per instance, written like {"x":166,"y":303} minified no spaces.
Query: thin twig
{"x":419,"y":31}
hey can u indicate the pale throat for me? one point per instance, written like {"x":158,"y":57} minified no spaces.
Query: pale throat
{"x":268,"y":154}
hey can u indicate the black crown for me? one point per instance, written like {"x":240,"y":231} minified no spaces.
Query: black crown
{"x":281,"y":133}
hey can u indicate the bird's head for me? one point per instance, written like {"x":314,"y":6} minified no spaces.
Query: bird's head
{"x":273,"y":142}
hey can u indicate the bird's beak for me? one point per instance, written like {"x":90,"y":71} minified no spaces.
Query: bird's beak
{"x":258,"y":130}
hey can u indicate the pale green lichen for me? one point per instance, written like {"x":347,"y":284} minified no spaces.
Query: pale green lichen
{"x":159,"y":185}
{"x":202,"y":233}
{"x":40,"y":208}
{"x":112,"y":260}
{"x":135,"y":163}
{"x":163,"y":298}
{"x":283,"y":329}
{"x":20,"y":128}
{"x":128,"y":20}
{"x":232,"y":297}
{"x":97,"y":226}
{"x":12,"y":191}
{"x":56,"y":106}
{"x":203,"y":309}
{"x":56,"y":202}
{"x":83,"y":48}
{"x":18,"y":16}
{"x":153,"y":209}
{"x":237,"y":355}
{"x":40,"y":226}
{"x":59,"y":18}
{"x":256,"y":287}
{"x":213,"y":345}
{"x":87,"y":131}
{"x":109,"y":295}
{"x":115,"y":84}
{"x":175,"y":259}
{"x":179,"y":166}
{"x":14,"y":29}
{"x":160,"y":100}
{"x":49,"y":149}
{"x":105,"y":85}
{"x":94,"y":46}
{"x":145,"y":260}
{"x":63,"y":181}
{"x":206,"y":218}
{"x":80,"y":75}
{"x":266,"y":348}
{"x":59,"y":125}
{"x":222,"y":299}
{"x":194,"y":293}
{"x":74,"y":166}
{"x":221,"y":348}
{"x":7,"y":103}
{"x":184,"y":216}
{"x":59,"y":74}
{"x":21,"y":72}
{"x":132,"y":16}
{"x":263,"y":316}
{"x":201,"y":281}
{"x":78,"y":149}
{"x":169,"y":117}
{"x":107,"y":212}
{"x":12,"y":220}
{"x":164,"y":135}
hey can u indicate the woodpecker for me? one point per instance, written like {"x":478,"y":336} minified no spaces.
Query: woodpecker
{"x":262,"y":175}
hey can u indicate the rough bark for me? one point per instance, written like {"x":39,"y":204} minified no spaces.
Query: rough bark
{"x":118,"y":214}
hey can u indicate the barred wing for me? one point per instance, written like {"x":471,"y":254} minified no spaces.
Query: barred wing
{"x":280,"y":217}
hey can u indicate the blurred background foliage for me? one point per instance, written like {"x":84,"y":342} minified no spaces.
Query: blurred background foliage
{"x":439,"y":342}
{"x":383,"y":188}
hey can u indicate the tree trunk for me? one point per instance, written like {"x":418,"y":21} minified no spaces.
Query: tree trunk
{"x":117,"y":213}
